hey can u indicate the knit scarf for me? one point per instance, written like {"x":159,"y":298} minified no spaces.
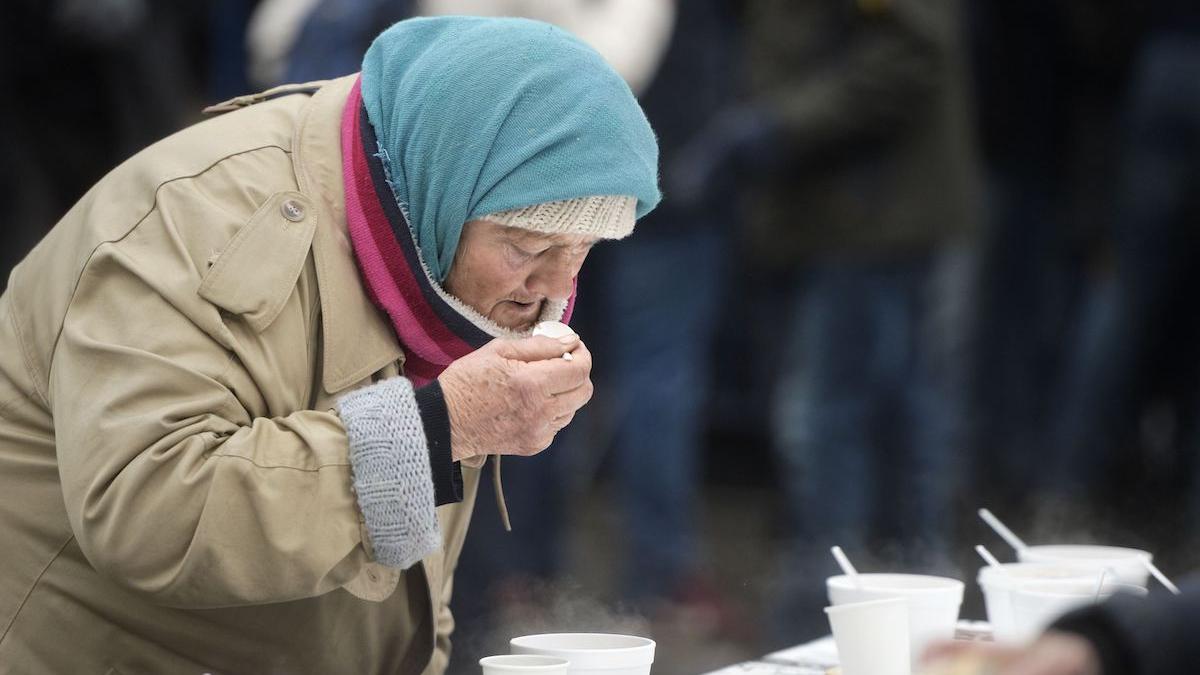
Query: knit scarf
{"x":433,"y":332}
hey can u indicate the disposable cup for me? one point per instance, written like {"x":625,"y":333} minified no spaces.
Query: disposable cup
{"x":1038,"y":603}
{"x":933,"y":602}
{"x":999,"y":583}
{"x":592,"y":653}
{"x":872,"y":637}
{"x":524,"y":664}
{"x":1127,"y":563}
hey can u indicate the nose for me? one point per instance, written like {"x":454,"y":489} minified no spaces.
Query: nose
{"x":555,"y":279}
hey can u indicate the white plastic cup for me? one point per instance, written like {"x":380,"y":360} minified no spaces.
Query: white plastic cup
{"x":872,"y":637}
{"x":1038,"y":603}
{"x":524,"y":664}
{"x":998,"y":585}
{"x":1126,"y":563}
{"x":592,"y":653}
{"x":933,"y":602}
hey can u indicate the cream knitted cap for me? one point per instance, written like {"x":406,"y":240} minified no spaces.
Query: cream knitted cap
{"x":600,"y":216}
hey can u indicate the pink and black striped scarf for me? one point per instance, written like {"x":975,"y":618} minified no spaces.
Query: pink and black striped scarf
{"x":432,"y":332}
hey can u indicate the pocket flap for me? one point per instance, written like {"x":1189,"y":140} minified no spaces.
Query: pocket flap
{"x":257,"y":272}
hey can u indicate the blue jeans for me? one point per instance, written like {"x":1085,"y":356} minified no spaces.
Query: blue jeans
{"x":864,"y":419}
{"x":661,"y":300}
{"x":865,"y":426}
{"x":1147,"y":335}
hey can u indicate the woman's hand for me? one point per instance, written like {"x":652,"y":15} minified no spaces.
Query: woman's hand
{"x":512,"y":396}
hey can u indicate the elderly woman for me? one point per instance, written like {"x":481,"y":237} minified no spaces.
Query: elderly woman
{"x":247,"y":383}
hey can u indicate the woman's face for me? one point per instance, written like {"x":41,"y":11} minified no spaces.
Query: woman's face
{"x":508,"y":274}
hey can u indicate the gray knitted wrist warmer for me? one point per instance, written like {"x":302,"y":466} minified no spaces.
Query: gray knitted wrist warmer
{"x":390,"y":462}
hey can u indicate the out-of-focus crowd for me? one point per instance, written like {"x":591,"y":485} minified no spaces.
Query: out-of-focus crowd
{"x":914,"y":257}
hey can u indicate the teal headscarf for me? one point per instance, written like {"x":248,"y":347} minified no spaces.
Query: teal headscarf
{"x":480,"y":115}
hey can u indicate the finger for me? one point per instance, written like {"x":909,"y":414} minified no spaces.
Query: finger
{"x":538,"y":348}
{"x":567,"y":403}
{"x":557,"y":376}
{"x":583,"y":355}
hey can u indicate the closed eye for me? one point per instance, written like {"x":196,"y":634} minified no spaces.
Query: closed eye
{"x":523,"y":254}
{"x":529,"y":252}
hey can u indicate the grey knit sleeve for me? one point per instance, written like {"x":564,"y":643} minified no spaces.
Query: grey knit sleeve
{"x":389,"y":459}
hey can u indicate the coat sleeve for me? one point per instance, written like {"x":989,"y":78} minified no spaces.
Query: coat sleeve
{"x":1136,"y":635}
{"x":172,"y":487}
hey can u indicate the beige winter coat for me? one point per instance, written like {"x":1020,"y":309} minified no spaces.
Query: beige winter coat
{"x":174,"y":482}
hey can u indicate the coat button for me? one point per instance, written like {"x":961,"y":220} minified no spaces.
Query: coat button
{"x":292,"y":210}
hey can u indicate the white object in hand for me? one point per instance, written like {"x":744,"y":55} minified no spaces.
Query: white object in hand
{"x":554,"y":329}
{"x":1005,"y":533}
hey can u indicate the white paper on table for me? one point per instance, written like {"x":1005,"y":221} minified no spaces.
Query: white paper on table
{"x":764,"y":668}
{"x":820,"y":653}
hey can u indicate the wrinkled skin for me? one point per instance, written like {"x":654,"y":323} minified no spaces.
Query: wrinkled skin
{"x":512,"y":396}
{"x":508,"y":274}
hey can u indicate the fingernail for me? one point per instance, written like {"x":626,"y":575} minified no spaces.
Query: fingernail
{"x":568,"y":357}
{"x":568,"y":339}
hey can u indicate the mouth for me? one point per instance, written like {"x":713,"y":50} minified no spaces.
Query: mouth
{"x":520,"y":314}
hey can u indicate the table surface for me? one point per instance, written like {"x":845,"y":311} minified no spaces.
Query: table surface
{"x":818,"y":656}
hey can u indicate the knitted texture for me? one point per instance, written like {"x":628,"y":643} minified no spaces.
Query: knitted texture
{"x":601,"y":216}
{"x":392,"y":478}
{"x":477,"y":116}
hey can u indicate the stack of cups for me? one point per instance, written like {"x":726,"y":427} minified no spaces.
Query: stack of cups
{"x":932,"y":603}
{"x":872,"y":637}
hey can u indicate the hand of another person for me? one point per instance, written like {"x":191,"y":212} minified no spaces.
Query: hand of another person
{"x":512,"y":396}
{"x":1052,"y":654}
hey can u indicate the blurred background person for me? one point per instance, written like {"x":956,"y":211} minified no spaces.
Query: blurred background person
{"x":1050,"y":79}
{"x":859,"y":132}
{"x":1128,"y":427}
{"x":661,"y":301}
{"x":304,"y":40}
{"x":87,"y":83}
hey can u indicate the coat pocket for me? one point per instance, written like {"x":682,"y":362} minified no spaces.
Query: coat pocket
{"x":256,"y":273}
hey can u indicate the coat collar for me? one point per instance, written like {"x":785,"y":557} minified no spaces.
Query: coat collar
{"x":357,"y":339}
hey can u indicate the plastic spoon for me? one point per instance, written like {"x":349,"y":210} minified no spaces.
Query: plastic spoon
{"x":1005,"y":533}
{"x":844,"y":563}
{"x":1162,"y":578}
{"x":989,"y":558}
